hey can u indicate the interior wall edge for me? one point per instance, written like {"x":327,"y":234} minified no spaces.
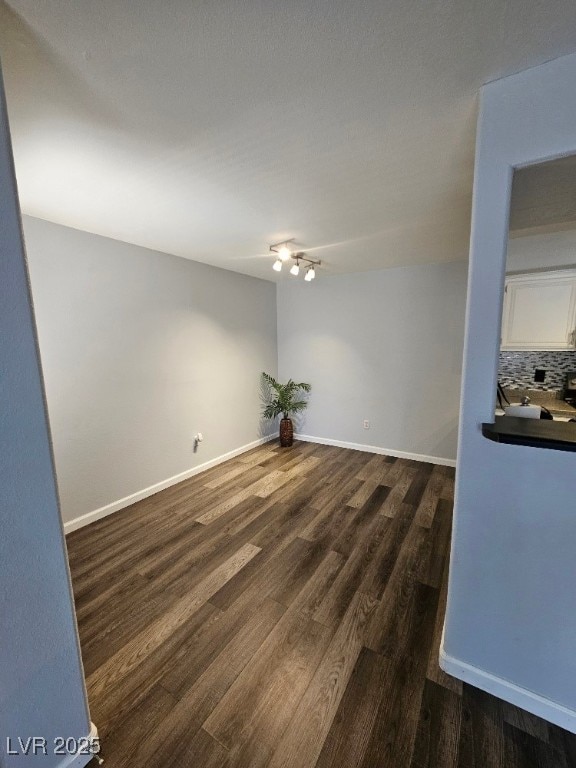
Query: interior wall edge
{"x":116,"y":506}
{"x":510,"y":609}
{"x":42,"y":691}
{"x":378,"y":449}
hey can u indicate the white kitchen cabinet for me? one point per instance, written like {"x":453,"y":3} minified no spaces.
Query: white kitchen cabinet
{"x":540,"y":311}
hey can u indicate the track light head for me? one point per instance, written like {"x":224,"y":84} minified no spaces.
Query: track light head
{"x":284,"y":251}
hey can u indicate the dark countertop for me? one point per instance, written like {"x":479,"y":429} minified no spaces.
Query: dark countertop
{"x":538,"y":433}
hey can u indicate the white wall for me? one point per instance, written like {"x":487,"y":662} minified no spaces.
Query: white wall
{"x":41,"y":681}
{"x":384,"y":346}
{"x":140,"y":351}
{"x":544,"y":251}
{"x":511,"y":619}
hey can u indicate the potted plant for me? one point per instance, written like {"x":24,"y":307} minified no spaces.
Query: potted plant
{"x":284,"y":399}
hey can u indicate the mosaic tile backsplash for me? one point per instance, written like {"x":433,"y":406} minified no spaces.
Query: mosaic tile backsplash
{"x":517,"y":369}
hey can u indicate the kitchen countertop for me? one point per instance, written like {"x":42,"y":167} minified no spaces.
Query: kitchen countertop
{"x":549,"y":400}
{"x":537,"y":433}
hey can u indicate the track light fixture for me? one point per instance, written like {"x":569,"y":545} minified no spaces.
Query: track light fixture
{"x":283,"y":252}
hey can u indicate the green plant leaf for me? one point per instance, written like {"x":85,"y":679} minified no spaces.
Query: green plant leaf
{"x":281,"y":398}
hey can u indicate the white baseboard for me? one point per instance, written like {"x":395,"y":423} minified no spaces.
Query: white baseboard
{"x":504,"y":689}
{"x":115,"y":506}
{"x":377,"y":449}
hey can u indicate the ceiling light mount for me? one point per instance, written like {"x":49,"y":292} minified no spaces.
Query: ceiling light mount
{"x":282,"y":249}
{"x":283,"y":252}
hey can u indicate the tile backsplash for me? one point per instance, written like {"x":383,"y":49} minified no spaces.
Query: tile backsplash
{"x":516,"y":369}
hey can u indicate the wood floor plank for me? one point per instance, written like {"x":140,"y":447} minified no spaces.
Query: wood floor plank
{"x":200,"y":750}
{"x":337,"y":485}
{"x":109,"y":596}
{"x":377,"y":574}
{"x":394,"y":734}
{"x":429,"y":501}
{"x":222,"y":507}
{"x":346,"y":584}
{"x":290,"y":522}
{"x":309,"y":599}
{"x":374,"y":465}
{"x":265,"y":573}
{"x":200,"y":700}
{"x":398,"y":491}
{"x":448,"y":489}
{"x":418,"y":485}
{"x":123,"y":662}
{"x":190,"y":551}
{"x":123,"y":741}
{"x":117,"y":559}
{"x":296,"y":462}
{"x":481,"y":731}
{"x":300,"y":621}
{"x":226,"y":477}
{"x":125,"y":693}
{"x":274,"y":480}
{"x":524,"y":751}
{"x":282,"y":458}
{"x":329,"y":521}
{"x":204,"y":646}
{"x":432,"y":565}
{"x":367,"y":490}
{"x":527,"y":722}
{"x":275,"y":679}
{"x":262,"y":488}
{"x":437,"y":737}
{"x":149,"y":533}
{"x":261,"y":453}
{"x":295,"y":581}
{"x":391,"y":619}
{"x":302,"y":742}
{"x":349,"y":735}
{"x":359,"y":523}
{"x":221,"y":540}
{"x":105,"y":638}
{"x":564,"y":742}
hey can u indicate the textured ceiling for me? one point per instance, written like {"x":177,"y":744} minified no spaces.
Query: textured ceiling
{"x":211,"y":129}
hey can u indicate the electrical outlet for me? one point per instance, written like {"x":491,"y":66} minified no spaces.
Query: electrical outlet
{"x":366,"y":424}
{"x":539,"y":374}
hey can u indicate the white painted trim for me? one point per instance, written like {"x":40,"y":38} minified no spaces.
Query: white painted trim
{"x":78,"y":761}
{"x":378,"y":449}
{"x":504,"y":689}
{"x":115,"y":506}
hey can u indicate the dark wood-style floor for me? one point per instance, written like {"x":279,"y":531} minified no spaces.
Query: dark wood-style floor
{"x":285,"y":609}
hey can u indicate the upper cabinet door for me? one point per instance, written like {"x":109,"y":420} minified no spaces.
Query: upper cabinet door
{"x":540,"y":311}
